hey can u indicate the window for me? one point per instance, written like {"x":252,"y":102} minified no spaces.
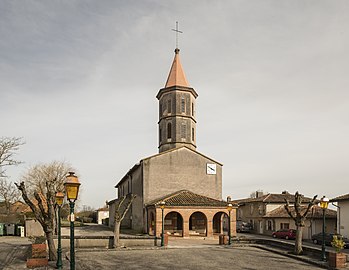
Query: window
{"x":284,"y":226}
{"x":260,"y":209}
{"x":192,"y":109}
{"x":251,"y":209}
{"x":269,"y":225}
{"x":160,"y":110}
{"x":192,"y":134}
{"x":160,"y":134}
{"x":169,"y":107}
{"x":239,"y":213}
{"x":184,"y":131}
{"x":169,"y":130}
{"x":182,"y":105}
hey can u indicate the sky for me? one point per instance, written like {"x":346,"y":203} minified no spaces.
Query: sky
{"x":78,"y":81}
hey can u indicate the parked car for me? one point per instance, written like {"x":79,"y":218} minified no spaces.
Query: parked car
{"x":242,"y":226}
{"x":285,"y":233}
{"x":317,"y":239}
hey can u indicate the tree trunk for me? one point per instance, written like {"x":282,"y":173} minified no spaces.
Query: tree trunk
{"x":116,"y":234}
{"x":298,"y":250}
{"x":52,"y":253}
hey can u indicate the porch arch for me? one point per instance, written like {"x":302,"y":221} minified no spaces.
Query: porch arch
{"x":174,"y":224}
{"x":220,"y":223}
{"x":198,"y":224}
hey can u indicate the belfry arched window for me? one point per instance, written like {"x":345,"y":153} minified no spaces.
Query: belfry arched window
{"x":169,"y":130}
{"x":183,"y":105}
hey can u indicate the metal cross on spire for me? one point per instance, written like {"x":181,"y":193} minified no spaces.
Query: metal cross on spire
{"x":177,"y":31}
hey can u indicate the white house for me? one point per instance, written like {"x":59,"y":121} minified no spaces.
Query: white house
{"x":342,"y":214}
{"x":102,"y":215}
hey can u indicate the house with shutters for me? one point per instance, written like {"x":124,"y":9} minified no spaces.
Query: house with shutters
{"x":267,"y":214}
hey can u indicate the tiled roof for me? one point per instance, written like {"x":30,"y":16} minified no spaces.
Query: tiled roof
{"x":315,"y":212}
{"x":272,"y":198}
{"x":20,"y":207}
{"x":188,"y":198}
{"x":341,"y":198}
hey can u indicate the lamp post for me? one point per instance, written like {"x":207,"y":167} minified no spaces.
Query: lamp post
{"x":72,"y":185}
{"x":59,"y":201}
{"x":229,"y":208}
{"x":323,"y":204}
{"x":162,"y":206}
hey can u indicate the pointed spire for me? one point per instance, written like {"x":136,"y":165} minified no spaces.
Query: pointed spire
{"x":176,"y":75}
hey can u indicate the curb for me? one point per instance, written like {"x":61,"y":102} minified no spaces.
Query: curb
{"x":299,"y":258}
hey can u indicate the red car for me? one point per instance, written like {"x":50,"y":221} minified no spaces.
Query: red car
{"x":285,"y":233}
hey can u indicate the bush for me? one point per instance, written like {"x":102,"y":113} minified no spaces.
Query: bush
{"x":338,"y":243}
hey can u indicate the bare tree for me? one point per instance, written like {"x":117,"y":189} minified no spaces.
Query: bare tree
{"x":8,"y":148}
{"x":38,"y":188}
{"x":121,"y":208}
{"x":9,"y":193}
{"x":299,"y":216}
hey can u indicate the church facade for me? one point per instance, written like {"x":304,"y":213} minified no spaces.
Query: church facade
{"x":186,"y":182}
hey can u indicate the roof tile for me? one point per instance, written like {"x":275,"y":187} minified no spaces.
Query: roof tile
{"x":188,"y":198}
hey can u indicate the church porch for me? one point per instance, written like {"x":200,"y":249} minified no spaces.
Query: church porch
{"x":205,"y":217}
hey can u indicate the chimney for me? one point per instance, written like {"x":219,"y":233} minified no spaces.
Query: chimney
{"x":259,"y":193}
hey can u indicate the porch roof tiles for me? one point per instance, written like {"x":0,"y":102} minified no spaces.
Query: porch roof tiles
{"x":187,"y":198}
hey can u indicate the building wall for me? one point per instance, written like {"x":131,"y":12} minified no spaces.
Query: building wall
{"x":33,"y":228}
{"x":253,"y":213}
{"x":311,"y":226}
{"x":102,"y":215}
{"x":111,"y":214}
{"x":132,"y":185}
{"x":343,"y":218}
{"x":178,"y":170}
{"x":177,"y":117}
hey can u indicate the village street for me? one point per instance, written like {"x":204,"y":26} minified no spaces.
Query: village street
{"x":189,"y":258}
{"x":193,"y":253}
{"x":13,"y":252}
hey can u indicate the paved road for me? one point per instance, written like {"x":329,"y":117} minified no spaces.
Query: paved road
{"x":13,"y":252}
{"x":248,"y":258}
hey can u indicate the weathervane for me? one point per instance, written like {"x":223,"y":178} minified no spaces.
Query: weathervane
{"x":177,"y":31}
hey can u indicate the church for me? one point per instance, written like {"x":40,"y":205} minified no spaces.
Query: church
{"x":185,"y":181}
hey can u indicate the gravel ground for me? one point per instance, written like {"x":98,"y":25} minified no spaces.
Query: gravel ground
{"x":248,"y":258}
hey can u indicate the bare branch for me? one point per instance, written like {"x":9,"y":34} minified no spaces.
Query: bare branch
{"x":128,"y":206}
{"x":289,"y":212}
{"x":312,"y":202}
{"x":8,"y":148}
{"x":21,"y":187}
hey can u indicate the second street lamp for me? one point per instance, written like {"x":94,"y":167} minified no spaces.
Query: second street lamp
{"x":72,"y":185}
{"x":59,"y":201}
{"x":323,"y":204}
{"x":162,"y":206}
{"x":229,"y":208}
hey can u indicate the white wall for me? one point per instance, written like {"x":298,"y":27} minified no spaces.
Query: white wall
{"x":343,"y":218}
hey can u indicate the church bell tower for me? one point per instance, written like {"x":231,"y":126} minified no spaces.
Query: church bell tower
{"x":177,"y":116}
